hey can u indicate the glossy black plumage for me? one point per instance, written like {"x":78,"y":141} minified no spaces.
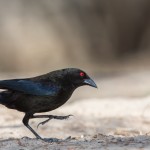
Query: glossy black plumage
{"x":42,"y":93}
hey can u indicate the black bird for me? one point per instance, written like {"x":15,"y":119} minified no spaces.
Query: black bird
{"x":42,"y":93}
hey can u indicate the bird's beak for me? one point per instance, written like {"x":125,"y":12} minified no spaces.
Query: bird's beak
{"x":90,"y":82}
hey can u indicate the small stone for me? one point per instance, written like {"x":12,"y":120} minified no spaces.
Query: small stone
{"x":119,"y":139}
{"x":101,"y":141}
{"x":68,"y":138}
{"x":114,"y":141}
{"x":74,"y":138}
{"x":95,"y":136}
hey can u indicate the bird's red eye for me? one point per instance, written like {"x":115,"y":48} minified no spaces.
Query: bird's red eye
{"x":82,"y":74}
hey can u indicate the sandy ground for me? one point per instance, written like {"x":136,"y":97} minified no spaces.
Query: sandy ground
{"x":118,"y":118}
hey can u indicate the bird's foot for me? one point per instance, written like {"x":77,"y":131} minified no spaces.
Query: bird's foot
{"x":51,"y":140}
{"x":54,"y":140}
{"x":54,"y":117}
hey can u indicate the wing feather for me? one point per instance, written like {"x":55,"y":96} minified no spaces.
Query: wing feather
{"x":29,"y":87}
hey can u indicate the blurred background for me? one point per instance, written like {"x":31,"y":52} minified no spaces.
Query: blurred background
{"x":105,"y":38}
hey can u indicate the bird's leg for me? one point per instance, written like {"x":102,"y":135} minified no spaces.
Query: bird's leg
{"x":49,"y":118}
{"x":26,"y":121}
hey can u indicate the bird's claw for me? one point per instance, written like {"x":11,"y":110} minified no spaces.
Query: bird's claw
{"x":51,"y":140}
{"x":43,"y":122}
{"x":69,"y":116}
{"x":62,"y":117}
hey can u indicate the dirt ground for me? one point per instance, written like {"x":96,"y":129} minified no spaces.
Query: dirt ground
{"x":114,"y":117}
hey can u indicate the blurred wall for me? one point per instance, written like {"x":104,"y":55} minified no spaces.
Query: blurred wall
{"x":41,"y":34}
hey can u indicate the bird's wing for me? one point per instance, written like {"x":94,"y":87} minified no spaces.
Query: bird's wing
{"x":29,"y":87}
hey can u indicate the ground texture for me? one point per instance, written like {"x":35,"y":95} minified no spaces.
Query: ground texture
{"x":114,"y":117}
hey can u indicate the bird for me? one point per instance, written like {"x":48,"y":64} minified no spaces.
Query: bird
{"x":42,"y":93}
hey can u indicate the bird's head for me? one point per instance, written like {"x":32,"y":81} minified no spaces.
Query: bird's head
{"x":78,"y":77}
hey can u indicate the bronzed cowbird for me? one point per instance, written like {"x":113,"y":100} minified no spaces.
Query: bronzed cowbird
{"x":42,"y":93}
